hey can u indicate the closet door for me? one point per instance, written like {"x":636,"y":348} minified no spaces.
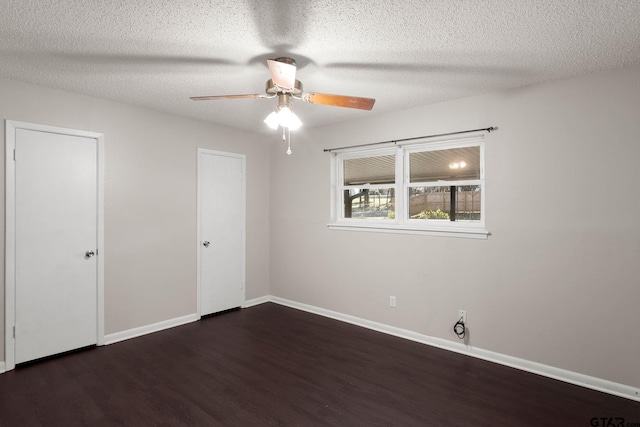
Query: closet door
{"x":221,"y":217}
{"x":56,"y":229}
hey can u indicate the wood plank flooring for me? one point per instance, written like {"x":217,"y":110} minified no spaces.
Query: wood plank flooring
{"x":274,"y":366}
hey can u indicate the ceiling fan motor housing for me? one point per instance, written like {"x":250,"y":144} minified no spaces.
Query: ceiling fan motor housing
{"x":273,"y":90}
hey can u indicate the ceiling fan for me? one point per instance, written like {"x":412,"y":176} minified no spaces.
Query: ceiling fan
{"x":283,"y":84}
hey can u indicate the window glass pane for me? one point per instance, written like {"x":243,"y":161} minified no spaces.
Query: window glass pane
{"x":445,"y":165}
{"x":370,"y":170}
{"x":369,"y":203}
{"x":434,"y":203}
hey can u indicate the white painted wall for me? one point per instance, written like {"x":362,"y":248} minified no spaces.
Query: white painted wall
{"x":557,"y":282}
{"x":150,"y":200}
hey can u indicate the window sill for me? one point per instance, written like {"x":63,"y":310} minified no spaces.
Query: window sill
{"x":465,"y":233}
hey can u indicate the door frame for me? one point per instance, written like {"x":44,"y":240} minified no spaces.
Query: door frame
{"x":243,"y":158}
{"x":11,"y":126}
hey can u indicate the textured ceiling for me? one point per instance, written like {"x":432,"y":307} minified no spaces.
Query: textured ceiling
{"x":157,"y":54}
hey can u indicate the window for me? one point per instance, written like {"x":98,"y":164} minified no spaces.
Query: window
{"x":369,"y":186}
{"x":425,"y":187}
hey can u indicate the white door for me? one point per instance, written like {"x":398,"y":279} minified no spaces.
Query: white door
{"x":56,"y":229}
{"x":221,"y":218}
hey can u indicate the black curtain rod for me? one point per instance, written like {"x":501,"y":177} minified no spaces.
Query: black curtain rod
{"x":395,"y":141}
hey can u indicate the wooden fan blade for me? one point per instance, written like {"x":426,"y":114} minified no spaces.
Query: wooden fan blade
{"x":282,"y":74}
{"x":339,"y":100}
{"x":210,"y":98}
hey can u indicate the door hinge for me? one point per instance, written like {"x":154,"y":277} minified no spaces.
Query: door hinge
{"x":14,"y":332}
{"x":14,"y":154}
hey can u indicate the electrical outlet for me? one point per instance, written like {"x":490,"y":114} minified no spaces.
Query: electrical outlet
{"x":462,"y":314}
{"x":392,"y":301}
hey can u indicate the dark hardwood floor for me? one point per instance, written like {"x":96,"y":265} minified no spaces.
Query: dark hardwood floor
{"x":272,"y":365}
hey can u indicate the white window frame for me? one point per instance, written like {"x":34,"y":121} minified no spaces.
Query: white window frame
{"x":401,"y":223}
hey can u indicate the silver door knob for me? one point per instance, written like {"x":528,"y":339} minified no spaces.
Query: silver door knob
{"x":206,"y":244}
{"x":89,"y":254}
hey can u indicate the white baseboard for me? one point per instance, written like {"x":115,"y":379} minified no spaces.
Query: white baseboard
{"x":571,"y":377}
{"x":256,"y":301}
{"x":575,"y":378}
{"x":148,"y":329}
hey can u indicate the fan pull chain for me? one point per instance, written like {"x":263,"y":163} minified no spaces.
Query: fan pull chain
{"x":286,"y":137}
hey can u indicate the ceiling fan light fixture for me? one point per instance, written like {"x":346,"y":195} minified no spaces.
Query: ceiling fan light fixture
{"x":294,"y":122}
{"x":283,"y":117}
{"x":272,"y":120}
{"x":288,"y":119}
